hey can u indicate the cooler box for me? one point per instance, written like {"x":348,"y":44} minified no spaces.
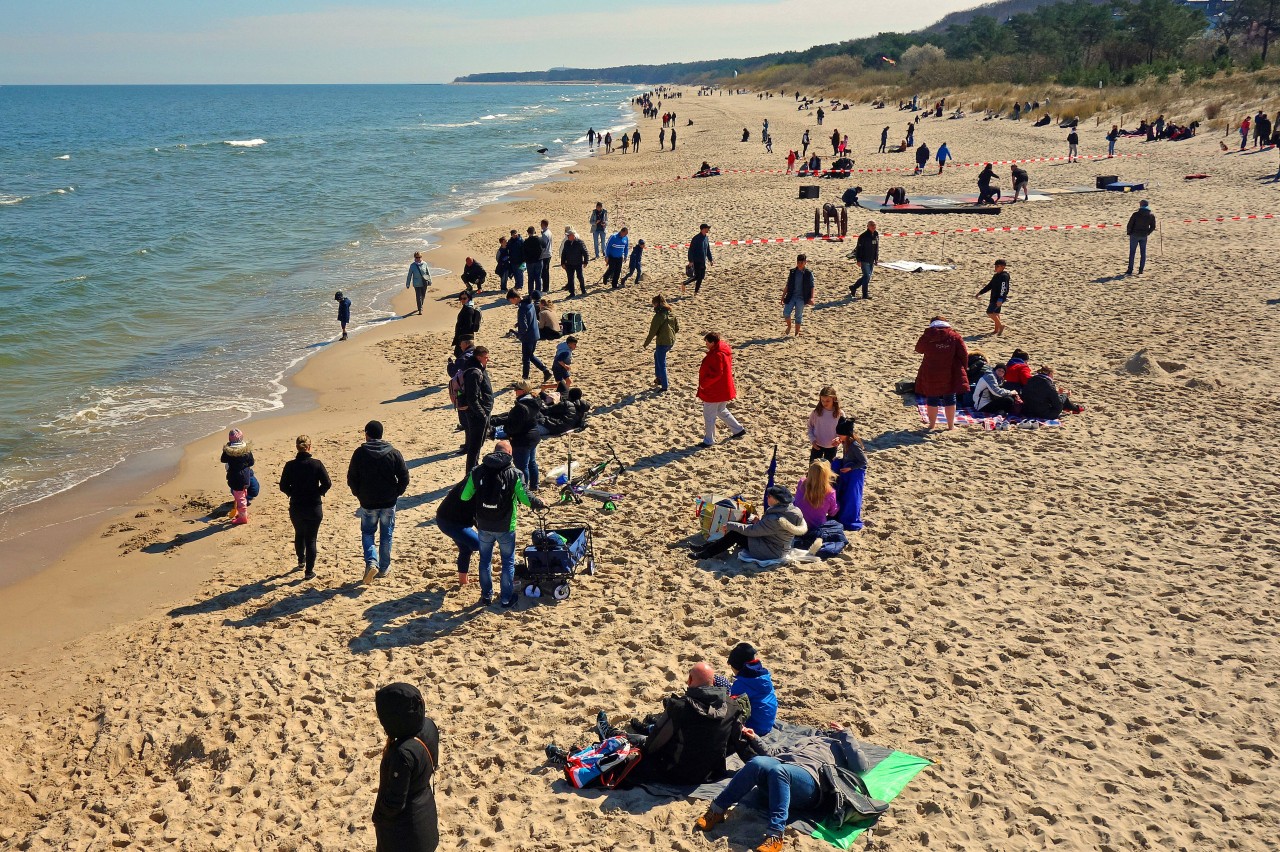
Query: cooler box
{"x":1103,"y":181}
{"x":808,"y":192}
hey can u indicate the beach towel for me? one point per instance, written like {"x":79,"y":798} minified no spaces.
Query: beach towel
{"x":991,"y":422}
{"x":888,"y":774}
{"x":915,"y":266}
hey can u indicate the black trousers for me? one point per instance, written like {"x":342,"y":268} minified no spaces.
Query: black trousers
{"x":572,"y":272}
{"x":720,"y":545}
{"x":997,"y":405}
{"x":699,"y":273}
{"x":477,"y":429}
{"x":305,"y":531}
{"x":420,"y":293}
{"x":613,"y":272}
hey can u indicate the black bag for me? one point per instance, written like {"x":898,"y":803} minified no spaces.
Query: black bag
{"x":808,"y":192}
{"x":1104,"y":181}
{"x":492,"y":494}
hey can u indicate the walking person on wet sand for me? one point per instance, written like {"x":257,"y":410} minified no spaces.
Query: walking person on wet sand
{"x":305,"y":480}
{"x":998,"y":287}
{"x":943,"y":372}
{"x":419,"y":278}
{"x":344,"y":312}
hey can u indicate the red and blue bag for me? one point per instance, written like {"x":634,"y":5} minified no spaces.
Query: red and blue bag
{"x":603,"y":764}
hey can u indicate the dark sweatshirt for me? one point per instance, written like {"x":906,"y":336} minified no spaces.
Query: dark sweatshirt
{"x":377,"y":474}
{"x":306,"y":482}
{"x":404,"y":815}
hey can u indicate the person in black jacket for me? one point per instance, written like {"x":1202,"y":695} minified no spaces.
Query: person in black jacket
{"x":689,"y":741}
{"x":1141,"y":224}
{"x":475,"y":405}
{"x":456,"y":518}
{"x":998,"y":287}
{"x":404,"y":815}
{"x":987,"y":194}
{"x":699,"y":257}
{"x":306,"y":482}
{"x":515,"y":257}
{"x":1043,"y":398}
{"x":532,"y":250}
{"x":573,"y":257}
{"x":377,"y":476}
{"x":797,"y":293}
{"x":522,"y":431}
{"x":867,"y":253}
{"x":473,"y":274}
{"x":468,"y":321}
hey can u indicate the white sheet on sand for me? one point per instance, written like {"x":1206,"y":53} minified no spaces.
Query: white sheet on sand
{"x":915,"y":266}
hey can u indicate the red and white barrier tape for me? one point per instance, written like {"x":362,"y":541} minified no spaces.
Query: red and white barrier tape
{"x":1007,"y":229}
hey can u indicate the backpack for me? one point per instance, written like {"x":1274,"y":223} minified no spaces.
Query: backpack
{"x":492,"y":498}
{"x":457,"y":378}
{"x":606,"y":763}
{"x":571,"y":323}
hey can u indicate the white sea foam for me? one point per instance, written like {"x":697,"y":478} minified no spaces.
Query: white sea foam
{"x":63,"y":157}
{"x":459,"y":124}
{"x":244,"y":143}
{"x":13,"y":199}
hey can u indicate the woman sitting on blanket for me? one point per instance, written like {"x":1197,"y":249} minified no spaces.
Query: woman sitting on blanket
{"x":1018,"y":371}
{"x":1045,"y":399}
{"x":768,"y":539}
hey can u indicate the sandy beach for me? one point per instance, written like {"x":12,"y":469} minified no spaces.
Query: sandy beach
{"x":1075,"y":624}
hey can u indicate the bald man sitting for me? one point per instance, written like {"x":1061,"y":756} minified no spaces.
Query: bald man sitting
{"x":687,"y":742}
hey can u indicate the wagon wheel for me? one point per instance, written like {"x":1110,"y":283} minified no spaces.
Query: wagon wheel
{"x":532,"y":591}
{"x":591,"y":567}
{"x":561,"y":592}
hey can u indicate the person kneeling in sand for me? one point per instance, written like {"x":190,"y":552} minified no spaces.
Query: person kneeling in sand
{"x":767,"y":539}
{"x":802,"y":777}
{"x":688,"y":742}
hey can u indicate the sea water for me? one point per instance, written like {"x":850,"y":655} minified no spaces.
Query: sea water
{"x":169,"y":253}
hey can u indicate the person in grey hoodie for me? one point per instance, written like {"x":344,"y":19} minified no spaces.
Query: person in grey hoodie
{"x":769,"y":538}
{"x":377,"y":476}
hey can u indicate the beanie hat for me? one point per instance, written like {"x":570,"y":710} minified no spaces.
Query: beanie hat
{"x":741,"y":654}
{"x":235,"y":436}
{"x":780,"y":493}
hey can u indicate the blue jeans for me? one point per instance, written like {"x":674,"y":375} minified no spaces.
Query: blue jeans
{"x":466,"y":538}
{"x":864,"y":281}
{"x":598,"y":240}
{"x":785,"y":783}
{"x":1136,"y":243}
{"x":507,"y":551}
{"x":1111,"y":147}
{"x":518,"y":274}
{"x":526,"y":461}
{"x":382,"y":521}
{"x":660,"y":365}
{"x":528,"y":356}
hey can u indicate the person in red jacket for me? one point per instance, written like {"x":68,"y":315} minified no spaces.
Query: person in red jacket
{"x":1018,"y":371}
{"x":716,"y":390}
{"x":944,"y":371}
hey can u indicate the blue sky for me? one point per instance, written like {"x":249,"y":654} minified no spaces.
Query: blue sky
{"x":364,"y":41}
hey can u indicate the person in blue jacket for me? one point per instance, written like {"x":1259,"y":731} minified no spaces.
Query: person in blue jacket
{"x":527,"y":332}
{"x":754,"y":681}
{"x":699,"y":257}
{"x":616,"y":250}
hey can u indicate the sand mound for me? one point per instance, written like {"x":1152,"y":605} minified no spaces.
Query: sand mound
{"x":1143,"y":363}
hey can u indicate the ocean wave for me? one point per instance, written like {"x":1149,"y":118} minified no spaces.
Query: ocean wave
{"x":13,"y":199}
{"x":63,"y":191}
{"x":244,"y":143}
{"x":63,"y":157}
{"x":458,"y":124}
{"x":106,"y":409}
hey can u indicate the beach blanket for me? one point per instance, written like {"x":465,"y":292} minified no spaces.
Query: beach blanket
{"x":915,"y":266}
{"x":990,"y":422}
{"x":889,"y":773}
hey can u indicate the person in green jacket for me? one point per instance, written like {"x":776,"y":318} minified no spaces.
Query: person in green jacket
{"x":663,"y":328}
{"x":498,"y":490}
